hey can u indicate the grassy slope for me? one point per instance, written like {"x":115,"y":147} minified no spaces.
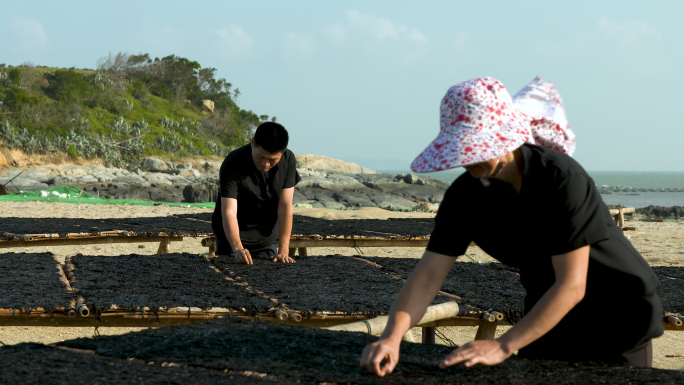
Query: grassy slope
{"x":188,"y":133}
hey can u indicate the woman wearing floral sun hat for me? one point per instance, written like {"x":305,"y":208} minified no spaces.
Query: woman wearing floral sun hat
{"x":574,"y":263}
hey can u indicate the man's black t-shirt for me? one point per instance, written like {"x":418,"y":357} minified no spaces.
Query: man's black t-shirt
{"x":557,"y":210}
{"x":257,"y":195}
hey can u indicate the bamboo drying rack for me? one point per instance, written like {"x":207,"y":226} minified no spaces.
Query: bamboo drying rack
{"x":486,"y":322}
{"x":104,"y":237}
{"x":298,"y":243}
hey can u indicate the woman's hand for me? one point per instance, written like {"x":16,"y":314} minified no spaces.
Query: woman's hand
{"x":485,"y":352}
{"x":381,"y":356}
{"x":420,"y":289}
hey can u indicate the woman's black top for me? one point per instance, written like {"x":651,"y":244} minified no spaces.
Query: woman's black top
{"x":557,"y":210}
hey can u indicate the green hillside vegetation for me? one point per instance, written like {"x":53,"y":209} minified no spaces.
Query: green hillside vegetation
{"x":130,"y":106}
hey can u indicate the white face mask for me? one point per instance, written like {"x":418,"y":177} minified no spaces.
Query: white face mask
{"x":485,"y":181}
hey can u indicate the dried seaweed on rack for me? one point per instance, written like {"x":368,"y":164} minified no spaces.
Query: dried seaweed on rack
{"x":132,"y":282}
{"x":30,"y":281}
{"x":193,"y":225}
{"x":60,"y":227}
{"x":486,"y":286}
{"x":320,"y":283}
{"x":669,"y":271}
{"x":380,"y":228}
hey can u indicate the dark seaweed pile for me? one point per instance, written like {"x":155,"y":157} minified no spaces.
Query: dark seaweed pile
{"x":31,"y":363}
{"x":30,"y":281}
{"x":287,"y":354}
{"x":314,"y":283}
{"x":494,"y":286}
{"x":158,"y":281}
{"x":487,"y":286}
{"x":151,"y":226}
{"x":669,"y":271}
{"x":672,"y":281}
{"x":330,"y":283}
{"x":673,"y":294}
{"x":383,"y":228}
{"x":191,"y":225}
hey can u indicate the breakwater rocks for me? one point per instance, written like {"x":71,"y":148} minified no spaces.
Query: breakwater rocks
{"x":660,"y":212}
{"x":325,"y":182}
{"x":607,"y":189}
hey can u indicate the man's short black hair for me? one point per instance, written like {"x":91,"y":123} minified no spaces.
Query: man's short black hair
{"x":272,"y":137}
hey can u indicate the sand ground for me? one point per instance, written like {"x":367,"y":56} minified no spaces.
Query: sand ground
{"x":661,"y":244}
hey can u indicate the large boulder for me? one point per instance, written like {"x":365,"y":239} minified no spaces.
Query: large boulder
{"x":319,"y":162}
{"x":199,"y":193}
{"x":151,"y":164}
{"x":5,"y":157}
{"x":207,"y":107}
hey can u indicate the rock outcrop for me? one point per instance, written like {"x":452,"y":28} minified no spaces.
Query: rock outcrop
{"x":5,"y":157}
{"x":326,"y":182}
{"x":207,"y":107}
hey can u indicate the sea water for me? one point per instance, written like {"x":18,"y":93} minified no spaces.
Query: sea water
{"x":628,"y":188}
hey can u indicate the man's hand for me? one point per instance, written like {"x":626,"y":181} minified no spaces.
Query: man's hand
{"x":380,"y":357}
{"x":283,"y":257}
{"x":485,"y":352}
{"x":243,"y":256}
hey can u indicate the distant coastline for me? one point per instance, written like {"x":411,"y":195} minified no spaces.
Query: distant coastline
{"x":628,"y":188}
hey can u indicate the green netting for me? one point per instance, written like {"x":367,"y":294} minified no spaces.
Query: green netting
{"x":72,"y":194}
{"x":65,"y":191}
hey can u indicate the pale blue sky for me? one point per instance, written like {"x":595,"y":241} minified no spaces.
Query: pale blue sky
{"x":362,"y":80}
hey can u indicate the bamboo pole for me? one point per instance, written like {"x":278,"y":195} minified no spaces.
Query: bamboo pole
{"x":621,"y":218}
{"x":457,"y":321}
{"x":486,"y":331}
{"x":81,"y":307}
{"x":120,"y":318}
{"x":428,"y":335}
{"x":293,"y":315}
{"x":303,"y":243}
{"x":211,"y":244}
{"x":376,"y":326}
{"x":281,"y":314}
{"x":498,"y":316}
{"x":59,"y":317}
{"x":86,"y":241}
{"x":674,"y":320}
{"x":625,"y":210}
{"x":164,"y":246}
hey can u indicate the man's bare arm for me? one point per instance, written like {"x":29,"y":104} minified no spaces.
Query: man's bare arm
{"x":232,"y":230}
{"x":285,"y":212}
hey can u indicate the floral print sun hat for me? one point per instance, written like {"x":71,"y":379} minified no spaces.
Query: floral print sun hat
{"x":478,"y":122}
{"x":541,"y":102}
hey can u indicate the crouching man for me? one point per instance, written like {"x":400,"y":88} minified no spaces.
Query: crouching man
{"x":255,"y":198}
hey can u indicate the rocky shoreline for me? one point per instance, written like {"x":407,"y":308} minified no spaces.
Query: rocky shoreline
{"x":326,"y":182}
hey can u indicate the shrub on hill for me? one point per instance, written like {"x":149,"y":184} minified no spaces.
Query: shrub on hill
{"x":129,"y":106}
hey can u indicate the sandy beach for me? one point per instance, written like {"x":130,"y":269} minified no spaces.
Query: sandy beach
{"x":661,"y":244}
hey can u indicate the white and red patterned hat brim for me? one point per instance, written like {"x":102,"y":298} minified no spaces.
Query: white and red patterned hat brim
{"x":478,"y":123}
